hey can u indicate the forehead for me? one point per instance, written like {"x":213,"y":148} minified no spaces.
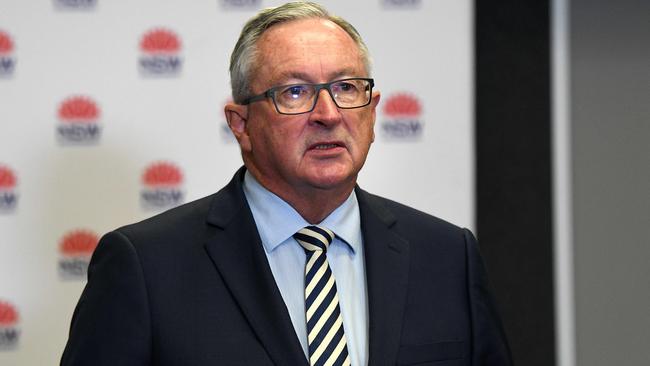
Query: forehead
{"x":313,"y":50}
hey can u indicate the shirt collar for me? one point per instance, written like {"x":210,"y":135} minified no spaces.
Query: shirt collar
{"x":277,"y":221}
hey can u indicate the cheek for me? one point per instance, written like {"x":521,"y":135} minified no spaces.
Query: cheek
{"x":364,"y":130}
{"x":262,"y":142}
{"x":284,"y":144}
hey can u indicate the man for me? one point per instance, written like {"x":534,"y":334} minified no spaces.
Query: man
{"x":291,"y":263}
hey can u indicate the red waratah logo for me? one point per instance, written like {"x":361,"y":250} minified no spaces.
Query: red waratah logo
{"x":79,"y":242}
{"x":162,"y":174}
{"x":78,"y":109}
{"x":160,"y":49}
{"x":7,"y":61}
{"x":8,"y":315}
{"x":7,"y":178}
{"x":402,"y":105}
{"x":9,"y":332}
{"x":6,"y":44}
{"x":161,"y":186}
{"x":8,"y":196}
{"x":76,"y":247}
{"x":402,"y":117}
{"x":78,"y":117}
{"x":160,"y":41}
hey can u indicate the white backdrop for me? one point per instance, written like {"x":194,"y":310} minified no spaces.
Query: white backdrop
{"x":111,"y":111}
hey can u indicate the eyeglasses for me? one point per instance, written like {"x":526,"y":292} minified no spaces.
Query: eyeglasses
{"x":301,"y":98}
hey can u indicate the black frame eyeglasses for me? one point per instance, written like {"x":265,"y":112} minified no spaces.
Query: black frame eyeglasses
{"x":293,"y":99}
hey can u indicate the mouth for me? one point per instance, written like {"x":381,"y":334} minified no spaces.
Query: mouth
{"x":326,"y":145}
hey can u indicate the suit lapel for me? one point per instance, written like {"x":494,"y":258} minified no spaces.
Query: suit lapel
{"x":387,"y":268}
{"x":237,"y":252}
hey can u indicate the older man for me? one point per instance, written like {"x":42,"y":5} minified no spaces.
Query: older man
{"x":291,"y":263}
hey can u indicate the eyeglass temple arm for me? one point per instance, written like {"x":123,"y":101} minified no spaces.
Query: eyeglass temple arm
{"x":255,"y":98}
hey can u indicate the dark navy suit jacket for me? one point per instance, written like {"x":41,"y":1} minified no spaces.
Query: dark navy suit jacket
{"x":192,"y":286}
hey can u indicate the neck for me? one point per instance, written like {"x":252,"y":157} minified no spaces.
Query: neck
{"x":319,"y":204}
{"x":314,"y":204}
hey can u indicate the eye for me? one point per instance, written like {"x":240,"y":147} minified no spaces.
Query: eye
{"x":345,"y":87}
{"x":294,"y":92}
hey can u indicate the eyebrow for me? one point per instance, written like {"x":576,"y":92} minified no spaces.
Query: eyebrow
{"x":306,"y":78}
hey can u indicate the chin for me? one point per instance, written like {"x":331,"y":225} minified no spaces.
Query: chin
{"x":332,"y":181}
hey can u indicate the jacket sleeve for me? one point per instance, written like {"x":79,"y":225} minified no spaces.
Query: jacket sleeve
{"x":489,"y":344}
{"x":111,"y":324}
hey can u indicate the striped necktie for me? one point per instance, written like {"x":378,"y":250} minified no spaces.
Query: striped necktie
{"x":327,"y":343}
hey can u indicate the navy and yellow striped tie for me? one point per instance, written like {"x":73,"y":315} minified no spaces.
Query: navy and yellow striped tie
{"x":327,"y":343}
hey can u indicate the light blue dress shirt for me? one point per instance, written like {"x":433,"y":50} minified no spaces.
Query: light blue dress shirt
{"x":276,"y":223}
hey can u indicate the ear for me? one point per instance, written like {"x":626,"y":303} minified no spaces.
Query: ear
{"x":376,"y":96}
{"x":237,"y":117}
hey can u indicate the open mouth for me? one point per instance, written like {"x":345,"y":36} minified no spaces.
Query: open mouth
{"x":325,"y":146}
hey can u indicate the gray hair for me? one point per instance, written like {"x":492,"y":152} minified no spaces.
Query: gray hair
{"x":245,"y":53}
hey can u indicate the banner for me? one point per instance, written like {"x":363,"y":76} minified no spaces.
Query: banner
{"x":112,"y":111}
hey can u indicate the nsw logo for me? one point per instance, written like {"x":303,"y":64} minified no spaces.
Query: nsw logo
{"x":401,"y":4}
{"x":402,"y":117}
{"x":78,"y":121}
{"x":161,"y":186}
{"x":8,"y":195}
{"x":7,"y":59}
{"x":160,"y":53}
{"x":75,"y":4}
{"x":240,"y":4}
{"x":9,"y":331}
{"x":75,"y":249}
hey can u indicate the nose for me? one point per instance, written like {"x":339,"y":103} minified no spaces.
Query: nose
{"x":325,"y":111}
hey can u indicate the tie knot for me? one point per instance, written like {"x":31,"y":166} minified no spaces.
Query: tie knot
{"x":314,"y":238}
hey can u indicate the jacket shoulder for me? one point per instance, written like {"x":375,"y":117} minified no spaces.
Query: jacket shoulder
{"x":182,"y":223}
{"x":403,"y":216}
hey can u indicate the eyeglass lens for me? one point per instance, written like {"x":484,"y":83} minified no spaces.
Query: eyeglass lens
{"x":298,"y":98}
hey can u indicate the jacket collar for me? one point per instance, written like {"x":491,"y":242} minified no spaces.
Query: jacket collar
{"x":387,"y":269}
{"x":237,"y":252}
